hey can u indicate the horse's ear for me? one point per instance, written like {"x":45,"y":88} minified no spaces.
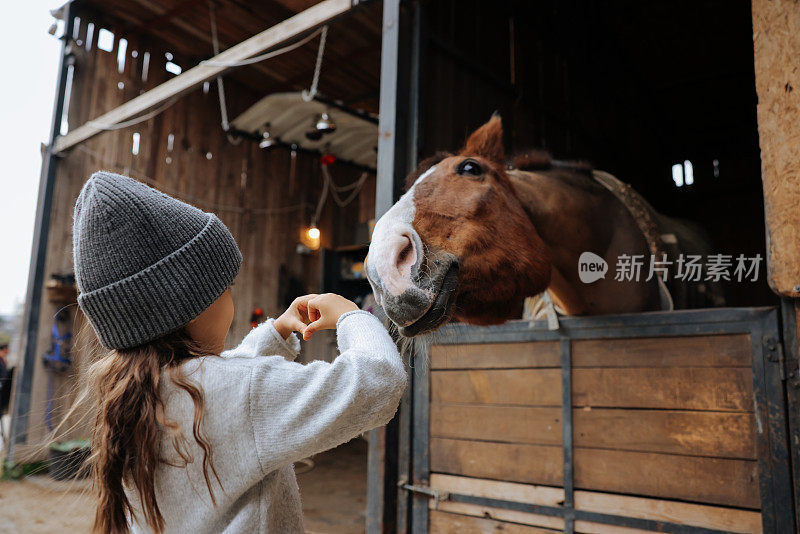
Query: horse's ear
{"x":487,"y":141}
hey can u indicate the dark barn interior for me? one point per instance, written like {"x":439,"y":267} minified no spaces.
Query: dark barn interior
{"x":631,"y":87}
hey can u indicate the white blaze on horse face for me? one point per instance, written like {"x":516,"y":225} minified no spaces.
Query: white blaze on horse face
{"x":391,"y":263}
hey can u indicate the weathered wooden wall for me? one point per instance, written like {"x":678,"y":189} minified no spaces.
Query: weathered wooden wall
{"x":184,"y":153}
{"x":776,"y":38}
{"x":668,"y":422}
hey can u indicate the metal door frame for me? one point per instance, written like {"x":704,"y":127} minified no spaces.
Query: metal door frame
{"x":761,"y":324}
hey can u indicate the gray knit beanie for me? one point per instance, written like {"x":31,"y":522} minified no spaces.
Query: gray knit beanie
{"x":145,"y":263}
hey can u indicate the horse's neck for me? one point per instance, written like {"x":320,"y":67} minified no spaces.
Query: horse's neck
{"x":573,"y":214}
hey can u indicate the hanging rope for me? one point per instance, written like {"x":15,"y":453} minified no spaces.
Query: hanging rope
{"x":262,"y":57}
{"x":309,"y":95}
{"x":223,"y":108}
{"x":131,"y":122}
{"x":335,"y":190}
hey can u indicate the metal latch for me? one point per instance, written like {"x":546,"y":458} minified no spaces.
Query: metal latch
{"x":437,"y":495}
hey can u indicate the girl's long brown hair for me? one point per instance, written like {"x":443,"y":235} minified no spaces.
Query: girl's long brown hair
{"x":130,"y":424}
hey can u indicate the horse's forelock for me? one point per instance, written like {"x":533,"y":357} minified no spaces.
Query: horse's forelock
{"x":424,"y":166}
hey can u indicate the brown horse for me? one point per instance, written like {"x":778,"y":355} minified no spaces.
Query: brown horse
{"x":472,"y":238}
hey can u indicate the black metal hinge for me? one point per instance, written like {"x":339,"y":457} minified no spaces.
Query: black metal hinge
{"x":775,"y":349}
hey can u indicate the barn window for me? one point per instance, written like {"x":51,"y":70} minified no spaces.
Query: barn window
{"x":173,"y":68}
{"x":64,"y":127}
{"x":145,"y":65}
{"x":688,"y":172}
{"x":105,"y":40}
{"x":89,"y":35}
{"x":123,"y":46}
{"x":135,"y":146}
{"x":677,"y":174}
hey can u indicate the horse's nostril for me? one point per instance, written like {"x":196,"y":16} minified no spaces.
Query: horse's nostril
{"x":403,"y":256}
{"x":406,"y":257}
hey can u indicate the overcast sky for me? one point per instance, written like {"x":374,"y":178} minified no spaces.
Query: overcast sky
{"x":29,"y":61}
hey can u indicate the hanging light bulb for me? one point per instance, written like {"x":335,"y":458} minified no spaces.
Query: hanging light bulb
{"x":266,"y":140}
{"x":325,"y":124}
{"x":313,"y":233}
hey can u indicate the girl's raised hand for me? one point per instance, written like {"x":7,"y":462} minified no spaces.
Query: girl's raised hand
{"x":324,"y":312}
{"x":294,"y":319}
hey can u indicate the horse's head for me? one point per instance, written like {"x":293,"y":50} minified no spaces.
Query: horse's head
{"x":458,"y":243}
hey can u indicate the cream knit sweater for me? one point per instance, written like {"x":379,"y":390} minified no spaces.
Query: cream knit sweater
{"x":262,"y":413}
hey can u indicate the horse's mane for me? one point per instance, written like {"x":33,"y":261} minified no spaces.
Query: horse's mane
{"x":541,"y":160}
{"x":530,"y":160}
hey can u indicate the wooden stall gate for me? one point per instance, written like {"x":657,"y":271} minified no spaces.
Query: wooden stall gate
{"x":667,"y":422}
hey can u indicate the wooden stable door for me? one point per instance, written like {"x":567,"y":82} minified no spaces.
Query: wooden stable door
{"x":655,"y":422}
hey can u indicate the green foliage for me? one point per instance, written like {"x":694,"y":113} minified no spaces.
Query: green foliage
{"x":71,"y":445}
{"x":18,"y":471}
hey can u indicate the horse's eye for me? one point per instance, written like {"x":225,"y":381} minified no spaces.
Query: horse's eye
{"x":469,"y":168}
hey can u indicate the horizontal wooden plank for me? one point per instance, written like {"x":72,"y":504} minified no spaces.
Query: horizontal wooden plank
{"x":703,"y":480}
{"x":517,"y":424}
{"x":496,"y":355}
{"x":500,"y":514}
{"x":726,"y":482}
{"x":535,"y":387}
{"x":683,"y":388}
{"x":514,"y":462}
{"x":586,"y":527}
{"x":716,"y":434}
{"x":698,"y":515}
{"x":448,"y":523}
{"x":694,"y":433}
{"x":684,"y":351}
{"x":496,"y":489}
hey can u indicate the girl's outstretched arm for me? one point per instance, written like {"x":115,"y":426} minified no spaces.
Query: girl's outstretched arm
{"x":299,"y":410}
{"x":264,"y":340}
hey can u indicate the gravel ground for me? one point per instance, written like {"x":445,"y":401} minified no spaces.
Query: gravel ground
{"x":333,"y":493}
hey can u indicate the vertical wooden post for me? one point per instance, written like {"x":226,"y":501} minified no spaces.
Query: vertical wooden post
{"x":397,"y":154}
{"x":41,"y":235}
{"x":776,"y":47}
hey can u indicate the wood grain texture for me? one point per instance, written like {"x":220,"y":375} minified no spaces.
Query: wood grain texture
{"x":776,"y":46}
{"x":693,"y":433}
{"x":447,"y":523}
{"x":683,"y":388}
{"x":698,"y":515}
{"x":725,"y":482}
{"x":496,"y":489}
{"x":705,"y":516}
{"x":714,"y":434}
{"x":496,"y":355}
{"x":514,"y":462}
{"x":704,"y":480}
{"x":533,"y":387}
{"x":686,"y":351}
{"x":515,"y":424}
{"x":523,"y":518}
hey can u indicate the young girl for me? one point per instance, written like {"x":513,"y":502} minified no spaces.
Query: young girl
{"x":190,"y":438}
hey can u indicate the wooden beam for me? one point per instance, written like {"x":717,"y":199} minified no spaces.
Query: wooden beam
{"x":309,"y":19}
